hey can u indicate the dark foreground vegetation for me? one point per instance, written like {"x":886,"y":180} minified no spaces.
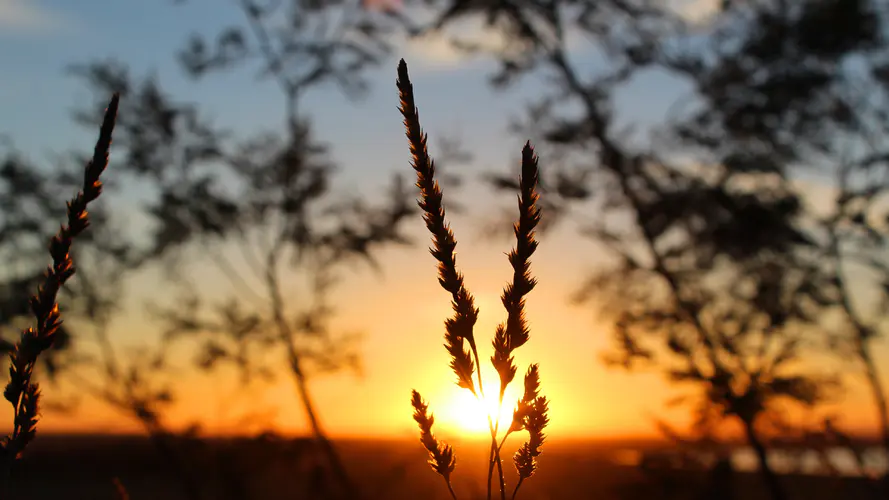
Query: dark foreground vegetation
{"x":275,"y":468}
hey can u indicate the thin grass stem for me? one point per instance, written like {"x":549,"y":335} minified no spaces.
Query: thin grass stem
{"x":517,"y":486}
{"x":494,"y":457}
{"x":451,"y":489}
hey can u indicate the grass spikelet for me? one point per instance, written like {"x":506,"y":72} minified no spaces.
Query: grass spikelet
{"x":441,"y":456}
{"x":460,"y":327}
{"x":532,"y":389}
{"x":514,"y":333}
{"x":20,"y":391}
{"x":534,"y":420}
{"x":531,"y":415}
{"x":531,"y":411}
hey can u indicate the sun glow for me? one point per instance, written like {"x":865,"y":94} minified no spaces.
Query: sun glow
{"x":456,"y":409}
{"x":469,"y":415}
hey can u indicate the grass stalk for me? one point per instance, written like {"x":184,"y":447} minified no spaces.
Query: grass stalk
{"x":530,"y":413}
{"x":21,"y":391}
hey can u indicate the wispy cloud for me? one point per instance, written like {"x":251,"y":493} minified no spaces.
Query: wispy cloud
{"x":27,"y":16}
{"x":437,"y":51}
{"x":696,"y":11}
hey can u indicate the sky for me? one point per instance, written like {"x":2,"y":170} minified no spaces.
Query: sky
{"x":401,"y":310}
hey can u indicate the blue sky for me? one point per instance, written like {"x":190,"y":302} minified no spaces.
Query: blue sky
{"x":38,"y":39}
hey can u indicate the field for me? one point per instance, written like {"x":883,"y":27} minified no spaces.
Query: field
{"x":84,"y":467}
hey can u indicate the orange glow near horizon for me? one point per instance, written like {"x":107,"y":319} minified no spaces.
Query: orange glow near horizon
{"x":403,"y":351}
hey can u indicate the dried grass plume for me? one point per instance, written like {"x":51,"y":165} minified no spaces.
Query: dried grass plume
{"x":531,"y":411}
{"x":21,"y":391}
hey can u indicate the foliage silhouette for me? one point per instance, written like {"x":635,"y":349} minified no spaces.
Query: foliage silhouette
{"x":808,"y":112}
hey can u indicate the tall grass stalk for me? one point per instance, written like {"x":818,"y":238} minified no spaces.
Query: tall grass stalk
{"x":21,"y":391}
{"x":531,"y":410}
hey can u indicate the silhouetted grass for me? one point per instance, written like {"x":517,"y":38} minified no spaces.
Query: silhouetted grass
{"x":21,"y":392}
{"x":531,"y":411}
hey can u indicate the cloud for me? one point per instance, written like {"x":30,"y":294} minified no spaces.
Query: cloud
{"x":29,"y":17}
{"x":696,"y":11}
{"x":437,"y":52}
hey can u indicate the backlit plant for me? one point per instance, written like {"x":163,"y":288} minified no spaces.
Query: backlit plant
{"x":530,"y":413}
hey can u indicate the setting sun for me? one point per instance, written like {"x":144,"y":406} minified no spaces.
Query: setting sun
{"x":468,"y":415}
{"x":471,"y":416}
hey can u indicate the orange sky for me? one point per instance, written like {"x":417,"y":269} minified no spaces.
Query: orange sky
{"x":401,"y":314}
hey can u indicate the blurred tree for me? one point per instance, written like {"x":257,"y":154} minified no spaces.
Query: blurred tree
{"x":778,"y":101}
{"x":802,"y":92}
{"x":720,"y":270}
{"x":259,"y":211}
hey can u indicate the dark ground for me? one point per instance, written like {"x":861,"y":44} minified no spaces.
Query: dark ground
{"x":83,"y":467}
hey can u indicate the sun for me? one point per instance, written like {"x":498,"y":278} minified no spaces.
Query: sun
{"x":470,"y":416}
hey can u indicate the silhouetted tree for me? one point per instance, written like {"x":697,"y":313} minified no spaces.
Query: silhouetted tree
{"x":299,"y":44}
{"x":803,"y":92}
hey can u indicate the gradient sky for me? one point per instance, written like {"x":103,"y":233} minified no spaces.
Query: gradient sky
{"x":401,"y":311}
